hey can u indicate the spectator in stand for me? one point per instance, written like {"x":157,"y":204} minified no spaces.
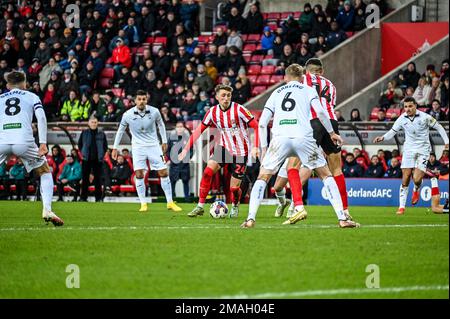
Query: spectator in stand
{"x":304,"y":55}
{"x":319,"y":26}
{"x":222,"y":58}
{"x":320,"y":47}
{"x":211,"y":70}
{"x":444,"y":157}
{"x":121,"y":56}
{"x":434,"y":165}
{"x":133,"y":83}
{"x":167,"y":115}
{"x":70,"y":110}
{"x":288,"y":57}
{"x":381,"y":116}
{"x":360,"y":19}
{"x":70,"y":176}
{"x":220,"y":37}
{"x":335,"y":36}
{"x":394,"y":170}
{"x":203,"y":105}
{"x":43,"y":53}
{"x":17,"y":176}
{"x":188,"y":106}
{"x":178,"y":138}
{"x":157,"y":95}
{"x":254,"y":20}
{"x":306,"y":18}
{"x":375,"y":169}
{"x":235,"y":59}
{"x":436,"y":111}
{"x":121,"y":172}
{"x":57,"y":157}
{"x":339,"y":116}
{"x":435,"y":93}
{"x":229,"y":6}
{"x":234,"y":39}
{"x":85,"y":107}
{"x":444,"y":70}
{"x":5,"y":182}
{"x":267,"y":41}
{"x":444,"y":93}
{"x":355,"y":116}
{"x":189,"y":12}
{"x":346,"y":16}
{"x":98,"y":105}
{"x":291,"y":30}
{"x":116,"y":101}
{"x":409,"y":91}
{"x":132,"y":33}
{"x":47,"y":70}
{"x":87,"y":78}
{"x":351,"y":168}
{"x":393,"y":95}
{"x":422,"y":92}
{"x":411,"y":76}
{"x":236,"y":21}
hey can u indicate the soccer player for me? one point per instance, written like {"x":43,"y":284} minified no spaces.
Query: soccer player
{"x":327,"y":95}
{"x":142,"y":121}
{"x":417,"y":148}
{"x":292,"y":135}
{"x":17,"y":108}
{"x":232,"y":120}
{"x":436,"y":198}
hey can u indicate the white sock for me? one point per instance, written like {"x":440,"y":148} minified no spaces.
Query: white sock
{"x":416,"y":188}
{"x":167,"y":188}
{"x":434,"y":182}
{"x":403,"y":196}
{"x":334,"y":197}
{"x":281,"y":196}
{"x":291,"y":207}
{"x":201,"y":205}
{"x":140,"y":189}
{"x":47,"y":191}
{"x":255,"y":198}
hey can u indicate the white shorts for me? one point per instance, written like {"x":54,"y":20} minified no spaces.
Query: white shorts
{"x":28,"y":153}
{"x":153,"y":154}
{"x":311,"y":165}
{"x":281,"y":148}
{"x":415,"y":160}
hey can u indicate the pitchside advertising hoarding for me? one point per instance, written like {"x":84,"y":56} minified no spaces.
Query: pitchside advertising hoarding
{"x":374,"y":192}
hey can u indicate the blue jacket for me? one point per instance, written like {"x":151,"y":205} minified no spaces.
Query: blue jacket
{"x":71,"y":172}
{"x":267,"y":42}
{"x":345,"y":19}
{"x":85,"y":142}
{"x":188,"y":11}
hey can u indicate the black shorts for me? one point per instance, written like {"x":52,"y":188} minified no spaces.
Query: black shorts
{"x":238,"y":164}
{"x":323,"y":138}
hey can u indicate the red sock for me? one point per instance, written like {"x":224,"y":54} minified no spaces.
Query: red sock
{"x":205,"y":184}
{"x":434,"y":191}
{"x":236,"y":193}
{"x":340,"y":181}
{"x":296,"y":186}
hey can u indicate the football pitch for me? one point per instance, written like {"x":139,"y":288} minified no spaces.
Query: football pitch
{"x":117,"y":252}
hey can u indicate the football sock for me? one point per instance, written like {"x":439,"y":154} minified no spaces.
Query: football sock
{"x":334,"y":196}
{"x":281,"y":196}
{"x":140,"y":189}
{"x":47,"y":191}
{"x":236,"y":193}
{"x":167,"y":188}
{"x":205,"y":185}
{"x":434,"y":187}
{"x":403,"y":196}
{"x":445,"y":209}
{"x":255,"y":198}
{"x":340,"y":181}
{"x":296,"y":186}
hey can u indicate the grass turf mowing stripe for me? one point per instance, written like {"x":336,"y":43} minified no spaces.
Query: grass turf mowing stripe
{"x":205,"y":226}
{"x":330,"y":292}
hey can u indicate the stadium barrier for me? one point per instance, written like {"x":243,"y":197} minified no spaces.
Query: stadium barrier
{"x":375,"y":192}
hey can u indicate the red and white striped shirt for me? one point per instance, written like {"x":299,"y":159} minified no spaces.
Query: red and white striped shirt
{"x":326,"y":91}
{"x":233,"y":124}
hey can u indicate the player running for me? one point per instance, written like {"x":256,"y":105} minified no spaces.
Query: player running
{"x":327,"y":95}
{"x":417,"y":148}
{"x":142,"y":120}
{"x":17,"y":108}
{"x":232,"y":120}
{"x":290,"y":105}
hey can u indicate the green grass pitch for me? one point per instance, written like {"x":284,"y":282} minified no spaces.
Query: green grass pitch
{"x":122,"y":253}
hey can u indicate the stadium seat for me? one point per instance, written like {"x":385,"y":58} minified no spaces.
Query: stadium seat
{"x":247,"y":57}
{"x":268,"y":69}
{"x":107,"y":73}
{"x":349,"y":34}
{"x":274,"y":79}
{"x":256,"y":59}
{"x":150,"y":40}
{"x":249,"y":48}
{"x":244,"y":37}
{"x":204,"y":39}
{"x":252,"y":79}
{"x":253,"y":38}
{"x":119,"y":92}
{"x":160,"y":40}
{"x":272,"y":25}
{"x":423,"y":109}
{"x":361,"y":162}
{"x":263,"y":80}
{"x":254,"y":69}
{"x":374,"y":113}
{"x":273,"y":16}
{"x":104,"y":83}
{"x":258,"y":90}
{"x":297,"y":15}
{"x":285,"y":15}
{"x":390,"y":112}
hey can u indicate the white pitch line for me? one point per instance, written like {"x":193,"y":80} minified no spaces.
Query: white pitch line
{"x":330,"y":292}
{"x":209,"y":226}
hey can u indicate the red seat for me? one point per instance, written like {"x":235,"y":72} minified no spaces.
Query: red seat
{"x":247,"y":57}
{"x":253,"y":38}
{"x":244,"y":37}
{"x":258,"y":90}
{"x":119,"y":92}
{"x":249,"y":48}
{"x":423,"y":109}
{"x":127,"y":188}
{"x":272,"y":25}
{"x":256,"y":59}
{"x":374,"y":113}
{"x":268,"y":69}
{"x":107,"y":73}
{"x":104,"y":83}
{"x":263,"y":80}
{"x":254,"y":69}
{"x":285,"y":15}
{"x":297,"y":15}
{"x":204,"y":39}
{"x":274,"y":79}
{"x":252,"y":79}
{"x":349,"y":34}
{"x":391,"y":112}
{"x":274,"y":16}
{"x":160,"y":40}
{"x":150,"y":40}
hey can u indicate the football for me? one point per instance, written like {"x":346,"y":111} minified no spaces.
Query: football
{"x":218,"y":209}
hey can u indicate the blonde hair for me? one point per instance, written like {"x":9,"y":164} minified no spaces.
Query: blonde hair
{"x":223,"y":87}
{"x":295,"y":71}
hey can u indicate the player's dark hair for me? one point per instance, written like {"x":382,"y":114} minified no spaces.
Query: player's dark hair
{"x":409,"y":99}
{"x":314,"y":65}
{"x":141,"y":92}
{"x":15,"y":77}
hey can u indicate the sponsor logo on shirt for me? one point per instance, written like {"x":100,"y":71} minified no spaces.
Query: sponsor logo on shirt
{"x":11,"y":126}
{"x":288,"y":122}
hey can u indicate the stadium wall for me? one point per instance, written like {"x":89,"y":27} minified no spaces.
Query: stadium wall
{"x":368,"y":97}
{"x":354,"y":64}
